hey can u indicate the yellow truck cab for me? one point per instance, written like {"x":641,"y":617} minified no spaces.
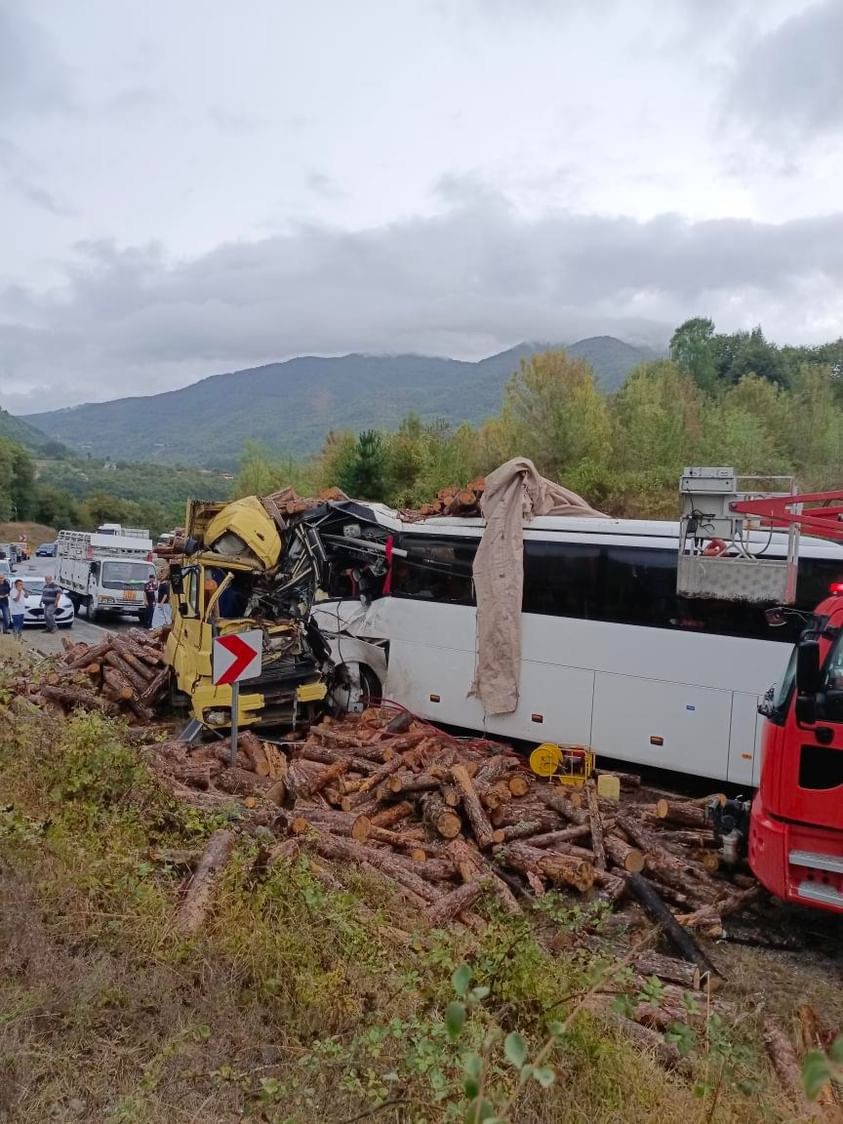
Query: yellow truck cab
{"x":226,"y":581}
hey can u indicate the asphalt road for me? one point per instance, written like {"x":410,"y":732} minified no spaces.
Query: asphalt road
{"x":82,"y":628}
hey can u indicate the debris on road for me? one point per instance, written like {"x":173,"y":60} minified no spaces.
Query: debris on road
{"x":125,"y":673}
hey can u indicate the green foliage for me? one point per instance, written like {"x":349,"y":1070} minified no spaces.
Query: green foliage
{"x":17,"y":481}
{"x":819,"y":1067}
{"x":365,"y":474}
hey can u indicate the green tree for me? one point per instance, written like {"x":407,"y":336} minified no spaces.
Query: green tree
{"x":693,"y":350}
{"x":364,"y":477}
{"x":656,"y":419}
{"x":56,"y":507}
{"x":556,"y":414}
{"x":815,"y":428}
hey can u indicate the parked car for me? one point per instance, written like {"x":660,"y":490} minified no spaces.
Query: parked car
{"x":34,"y":616}
{"x":9,"y":553}
{"x":46,"y":550}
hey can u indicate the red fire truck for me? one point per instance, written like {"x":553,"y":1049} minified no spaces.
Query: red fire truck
{"x":796,"y":819}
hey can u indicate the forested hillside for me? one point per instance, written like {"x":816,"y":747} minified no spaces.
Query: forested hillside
{"x":291,"y":406}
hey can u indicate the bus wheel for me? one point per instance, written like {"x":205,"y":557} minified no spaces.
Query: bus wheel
{"x":359,"y":688}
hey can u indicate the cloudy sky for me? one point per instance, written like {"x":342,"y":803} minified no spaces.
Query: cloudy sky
{"x":193,"y":187}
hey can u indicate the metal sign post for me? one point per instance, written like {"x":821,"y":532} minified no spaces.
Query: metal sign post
{"x":235,"y":658}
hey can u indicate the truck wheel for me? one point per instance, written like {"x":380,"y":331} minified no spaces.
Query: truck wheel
{"x":91,"y":611}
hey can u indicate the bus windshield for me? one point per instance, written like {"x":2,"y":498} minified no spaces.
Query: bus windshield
{"x":125,"y":575}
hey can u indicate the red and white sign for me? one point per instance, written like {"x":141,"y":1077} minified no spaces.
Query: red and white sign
{"x":237,"y":657}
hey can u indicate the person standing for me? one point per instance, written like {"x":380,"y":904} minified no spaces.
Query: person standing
{"x":149,"y":594}
{"x":50,"y":594}
{"x":18,"y":608}
{"x":5,"y":591}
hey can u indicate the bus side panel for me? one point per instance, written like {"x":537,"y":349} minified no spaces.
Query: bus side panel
{"x":745,"y":740}
{"x":672,"y":726}
{"x":554,"y":704}
{"x":433,"y":683}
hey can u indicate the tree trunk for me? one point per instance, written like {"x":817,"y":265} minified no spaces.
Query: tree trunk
{"x":442,"y":819}
{"x":392,"y":815}
{"x":680,"y":938}
{"x":452,"y":904}
{"x":473,"y":808}
{"x":596,"y":825}
{"x":560,"y":869}
{"x":783,"y":1057}
{"x":242,"y":782}
{"x":681,"y":812}
{"x":668,"y":968}
{"x":119,"y":689}
{"x":622,"y":855}
{"x":194,"y":907}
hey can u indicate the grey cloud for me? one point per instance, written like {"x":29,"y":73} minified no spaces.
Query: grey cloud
{"x":32,"y":76}
{"x":472,"y":280}
{"x":790,"y":81}
{"x":39,"y":197}
{"x":324,"y":185}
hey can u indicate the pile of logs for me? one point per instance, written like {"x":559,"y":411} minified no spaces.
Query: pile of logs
{"x":452,"y":500}
{"x":125,"y":673}
{"x":445,"y":820}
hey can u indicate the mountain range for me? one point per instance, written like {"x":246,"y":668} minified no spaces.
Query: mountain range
{"x":290,"y":406}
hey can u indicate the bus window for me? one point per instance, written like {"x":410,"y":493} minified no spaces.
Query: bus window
{"x":435,"y":569}
{"x":562,"y":579}
{"x":639,"y":586}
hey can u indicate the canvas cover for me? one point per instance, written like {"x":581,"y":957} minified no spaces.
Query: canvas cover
{"x":515,"y":492}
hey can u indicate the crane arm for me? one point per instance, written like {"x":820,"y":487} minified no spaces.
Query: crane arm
{"x":822,"y":518}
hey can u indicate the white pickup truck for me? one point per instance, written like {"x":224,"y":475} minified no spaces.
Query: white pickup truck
{"x":105,"y":570}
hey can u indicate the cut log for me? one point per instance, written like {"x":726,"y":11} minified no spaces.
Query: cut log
{"x":474,"y":810}
{"x":623,"y":855}
{"x":519,"y":784}
{"x":712,"y":914}
{"x":442,"y":819}
{"x":404,"y":784}
{"x":113,"y":659}
{"x":679,"y":937}
{"x":627,"y":780}
{"x":376,"y":779}
{"x":392,"y":815}
{"x":786,"y":1065}
{"x":327,"y":756}
{"x":467,"y":860}
{"x":561,"y":804}
{"x":73,"y":697}
{"x":118,"y":688}
{"x":563,"y":835}
{"x":560,"y":869}
{"x":681,"y":812}
{"x":495,"y":768}
{"x":450,"y":794}
{"x":337,"y":847}
{"x":668,"y":968}
{"x":125,"y":652}
{"x":452,"y":904}
{"x":157,"y":686}
{"x":596,"y":826}
{"x":88,"y":655}
{"x":242,"y":782}
{"x":194,"y":908}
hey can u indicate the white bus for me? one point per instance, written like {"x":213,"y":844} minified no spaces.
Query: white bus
{"x":611,"y":656}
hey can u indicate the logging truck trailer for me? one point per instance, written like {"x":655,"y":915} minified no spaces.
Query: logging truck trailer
{"x":105,"y":571}
{"x":794,"y":824}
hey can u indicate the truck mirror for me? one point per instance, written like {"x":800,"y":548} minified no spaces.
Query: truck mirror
{"x":806,"y":709}
{"x":808,"y":667}
{"x":95,"y":568}
{"x":176,"y":579}
{"x":184,"y":609}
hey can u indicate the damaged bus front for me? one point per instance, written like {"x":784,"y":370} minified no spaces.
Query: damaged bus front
{"x":240,"y":569}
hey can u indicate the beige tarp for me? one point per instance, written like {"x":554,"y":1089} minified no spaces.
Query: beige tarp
{"x":514,"y":492}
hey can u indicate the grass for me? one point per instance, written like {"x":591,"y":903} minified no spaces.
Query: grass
{"x":296,"y":1003}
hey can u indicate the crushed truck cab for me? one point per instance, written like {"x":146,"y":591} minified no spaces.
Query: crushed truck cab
{"x":238,"y":570}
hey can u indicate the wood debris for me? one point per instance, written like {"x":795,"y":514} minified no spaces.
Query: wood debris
{"x":445,"y":822}
{"x":125,"y":673}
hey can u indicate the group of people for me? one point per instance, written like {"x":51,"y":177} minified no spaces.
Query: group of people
{"x":13,"y":604}
{"x":157,"y":596}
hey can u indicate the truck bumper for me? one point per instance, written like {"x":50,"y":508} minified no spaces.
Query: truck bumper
{"x":796,"y":862}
